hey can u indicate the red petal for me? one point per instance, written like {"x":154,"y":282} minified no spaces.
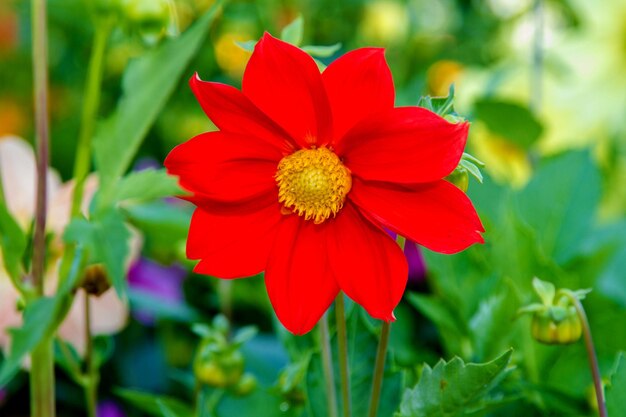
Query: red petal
{"x":232,"y":245}
{"x":231,"y":111}
{"x":369,"y":266}
{"x":298,"y":278}
{"x":358,"y":85}
{"x":436,"y":215}
{"x":224,"y":166}
{"x":405,"y":145}
{"x":285,"y":83}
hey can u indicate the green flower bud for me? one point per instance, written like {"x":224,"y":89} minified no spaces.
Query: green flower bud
{"x":556,"y":326}
{"x":150,"y":18}
{"x":246,"y":385}
{"x":218,"y":369}
{"x":460,"y":178}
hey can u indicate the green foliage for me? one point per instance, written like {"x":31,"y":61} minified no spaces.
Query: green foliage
{"x":362,"y":344}
{"x":149,"y":184}
{"x":12,"y":243}
{"x":148,"y":83}
{"x":105,"y":238}
{"x":293,"y":33}
{"x":153,"y":405}
{"x":41,"y":318}
{"x":453,"y":388}
{"x":616,"y":391}
{"x":509,"y":120}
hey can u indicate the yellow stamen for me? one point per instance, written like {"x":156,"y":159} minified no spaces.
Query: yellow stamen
{"x":313,"y":183}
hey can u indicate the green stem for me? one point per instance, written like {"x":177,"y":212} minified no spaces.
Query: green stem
{"x":42,"y":371}
{"x":342,"y":345}
{"x":591,"y":352}
{"x":207,"y":404}
{"x":379,"y":369}
{"x":92,"y":379}
{"x":536,"y":83}
{"x":331,"y":396}
{"x":42,"y":380}
{"x":91,"y":103}
{"x":225,"y":293}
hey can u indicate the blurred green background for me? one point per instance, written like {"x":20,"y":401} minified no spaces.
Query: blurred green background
{"x":544,"y":85}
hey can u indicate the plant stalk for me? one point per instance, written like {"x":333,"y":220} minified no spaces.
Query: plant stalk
{"x":91,"y":104}
{"x":92,"y":379}
{"x":591,"y":353}
{"x":42,"y":395}
{"x":327,"y":365}
{"x":42,"y":380}
{"x":342,"y":346}
{"x":379,"y":369}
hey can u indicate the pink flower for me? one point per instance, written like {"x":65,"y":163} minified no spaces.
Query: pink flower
{"x":17,"y":172}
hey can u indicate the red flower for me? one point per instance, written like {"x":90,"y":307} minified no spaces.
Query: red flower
{"x":304,"y":173}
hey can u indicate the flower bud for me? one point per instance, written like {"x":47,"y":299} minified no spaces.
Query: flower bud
{"x":246,"y":385}
{"x":556,"y":327}
{"x":218,"y":368}
{"x":150,"y":18}
{"x":460,"y":178}
{"x":95,"y":280}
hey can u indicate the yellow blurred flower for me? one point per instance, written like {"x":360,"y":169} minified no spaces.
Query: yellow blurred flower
{"x":441,"y":75}
{"x":17,"y":172}
{"x":504,"y":161}
{"x":12,"y":117}
{"x":384,"y":22}
{"x":231,"y":58}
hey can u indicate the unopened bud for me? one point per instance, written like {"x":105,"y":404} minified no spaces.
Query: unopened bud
{"x":218,"y":369}
{"x":246,"y":385}
{"x":460,"y":178}
{"x":95,"y":280}
{"x":556,"y":329}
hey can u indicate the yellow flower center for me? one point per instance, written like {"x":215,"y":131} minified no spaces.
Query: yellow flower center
{"x":313,"y":183}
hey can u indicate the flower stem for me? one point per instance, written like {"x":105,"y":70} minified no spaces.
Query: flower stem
{"x":331,"y":396}
{"x":591,"y":352}
{"x":536,"y":83}
{"x":92,"y":379}
{"x":379,"y":369}
{"x":342,"y":345}
{"x":91,"y":103}
{"x":42,"y":367}
{"x":42,"y":380}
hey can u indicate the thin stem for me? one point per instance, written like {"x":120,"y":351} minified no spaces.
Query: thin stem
{"x":42,"y":371}
{"x":92,"y":379}
{"x":42,"y":380}
{"x":536,"y":84}
{"x":225,"y":293}
{"x":379,"y":369}
{"x":342,"y":346}
{"x":91,"y":103}
{"x":40,"y":71}
{"x":591,"y":352}
{"x":331,"y":396}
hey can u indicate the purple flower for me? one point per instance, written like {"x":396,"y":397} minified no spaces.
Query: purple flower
{"x":109,"y":408}
{"x":415,"y":259}
{"x":162,"y":283}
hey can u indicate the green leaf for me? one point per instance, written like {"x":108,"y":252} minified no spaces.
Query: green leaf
{"x":41,"y":319}
{"x":106,"y":239}
{"x":362,"y":346}
{"x":436,"y":312}
{"x":153,"y":404}
{"x":616,"y":391}
{"x":443,"y":106}
{"x":247,"y":45}
{"x":165,"y":410}
{"x":149,"y":184}
{"x":147,"y":84}
{"x":545,"y":290}
{"x":12,"y":243}
{"x":452,"y":388}
{"x":509,"y":120}
{"x":560,"y":202}
{"x":321,"y":51}
{"x":293,"y":32}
